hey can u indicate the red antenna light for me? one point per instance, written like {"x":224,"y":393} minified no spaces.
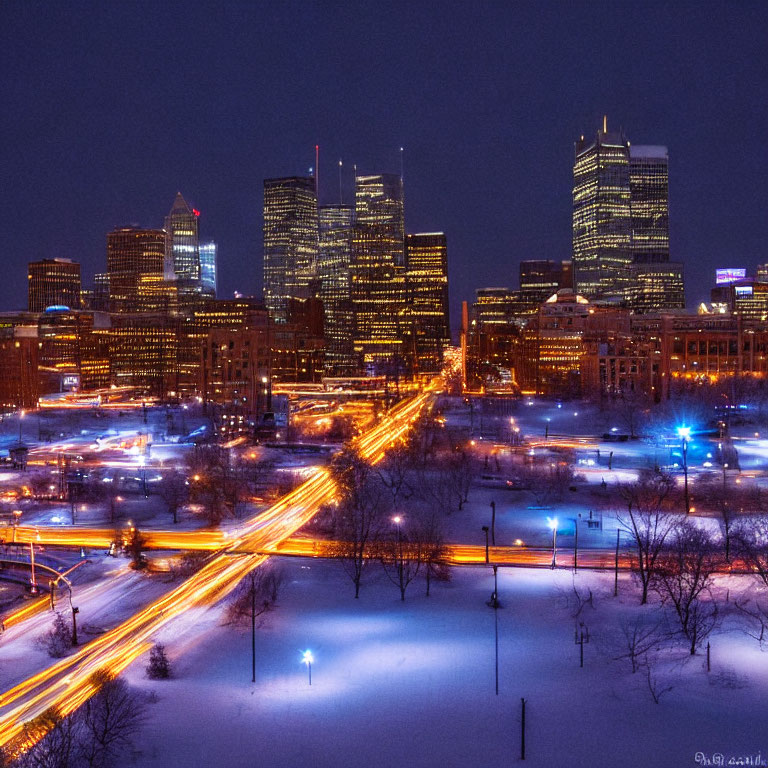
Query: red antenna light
{"x":195,"y":211}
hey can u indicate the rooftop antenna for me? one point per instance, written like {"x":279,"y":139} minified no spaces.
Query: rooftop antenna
{"x":317,"y":167}
{"x":341,"y":197}
{"x":605,"y":123}
{"x":401,"y":166}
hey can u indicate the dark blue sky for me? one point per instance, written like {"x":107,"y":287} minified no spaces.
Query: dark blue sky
{"x":109,"y":108}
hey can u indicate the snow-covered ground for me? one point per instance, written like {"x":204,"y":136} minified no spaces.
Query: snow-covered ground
{"x":412,"y":684}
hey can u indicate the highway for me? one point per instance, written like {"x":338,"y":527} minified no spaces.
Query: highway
{"x":68,"y":683}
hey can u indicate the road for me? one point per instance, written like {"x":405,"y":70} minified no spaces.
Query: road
{"x":67,"y":684}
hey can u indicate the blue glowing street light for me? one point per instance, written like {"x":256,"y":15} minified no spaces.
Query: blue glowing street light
{"x":552,"y":523}
{"x":546,"y":428}
{"x":684,"y":433}
{"x":307,"y":658}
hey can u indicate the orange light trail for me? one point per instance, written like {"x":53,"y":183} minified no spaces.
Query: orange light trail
{"x":67,"y":683}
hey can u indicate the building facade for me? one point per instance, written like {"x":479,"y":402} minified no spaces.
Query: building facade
{"x":53,"y":282}
{"x":132,"y":253}
{"x":427,"y":328}
{"x":290,"y":242}
{"x":378,"y":286}
{"x":336,"y":225}
{"x":182,"y":247}
{"x":602,"y":216}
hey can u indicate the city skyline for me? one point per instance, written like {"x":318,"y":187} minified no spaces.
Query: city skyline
{"x":488,"y":144}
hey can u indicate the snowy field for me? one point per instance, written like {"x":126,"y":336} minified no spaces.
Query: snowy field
{"x":412,"y":684}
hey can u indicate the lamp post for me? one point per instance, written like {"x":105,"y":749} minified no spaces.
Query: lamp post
{"x":575,"y":521}
{"x":546,"y":429}
{"x":485,"y":531}
{"x":33,"y":589}
{"x":307,"y":659}
{"x":21,"y":417}
{"x":493,"y":523}
{"x":616,"y":567}
{"x":685,"y":435}
{"x":552,"y":523}
{"x":397,"y":520}
{"x":16,"y":517}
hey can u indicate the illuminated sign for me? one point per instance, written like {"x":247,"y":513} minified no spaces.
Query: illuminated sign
{"x":743,"y":290}
{"x":729,"y":275}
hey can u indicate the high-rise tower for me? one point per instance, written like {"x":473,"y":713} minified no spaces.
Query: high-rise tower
{"x":602,"y":253}
{"x":208,"y":258}
{"x":290,"y":242}
{"x":378,"y":269}
{"x":182,"y":255}
{"x":657,"y":282}
{"x":132,"y":254}
{"x":427,"y":331}
{"x":53,"y":282}
{"x":333,"y":271}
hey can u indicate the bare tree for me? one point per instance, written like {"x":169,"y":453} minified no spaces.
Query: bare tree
{"x":174,"y":491}
{"x":684,"y":579}
{"x":402,"y":557}
{"x":256,"y":594}
{"x":110,"y":719}
{"x":752,"y":544}
{"x":58,"y":640}
{"x":430,"y":533}
{"x":630,"y":409}
{"x":655,"y":686}
{"x":548,"y":480}
{"x":94,"y":736}
{"x":136,"y":550}
{"x":462,"y":471}
{"x":395,"y":472}
{"x":756,"y":614}
{"x":358,"y":515}
{"x":638,"y":638}
{"x":649,"y":518}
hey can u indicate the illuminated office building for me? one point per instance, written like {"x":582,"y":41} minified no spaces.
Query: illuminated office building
{"x":656,"y":286}
{"x":378,"y":288}
{"x":747,"y":298}
{"x":182,"y":249}
{"x":602,"y":236}
{"x":333,"y":271}
{"x":290,"y":242}
{"x":53,"y":282}
{"x":208,"y":255}
{"x":540,"y":278}
{"x":427,"y":331}
{"x":131,"y":254}
{"x":657,"y":283}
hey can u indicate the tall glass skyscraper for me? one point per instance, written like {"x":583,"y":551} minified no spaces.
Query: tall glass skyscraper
{"x":602,"y":231}
{"x":208,"y":268}
{"x":333,"y":264}
{"x":378,"y":269}
{"x":132,"y":254}
{"x":290,"y":242}
{"x":182,"y":255}
{"x":657,"y":282}
{"x":428,"y":330}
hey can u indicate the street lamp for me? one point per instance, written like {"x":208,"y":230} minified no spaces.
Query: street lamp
{"x":307,"y":659}
{"x":552,"y":523}
{"x":16,"y":517}
{"x":684,"y":433}
{"x":493,"y":523}
{"x":485,"y":530}
{"x":546,"y":428}
{"x":21,"y":416}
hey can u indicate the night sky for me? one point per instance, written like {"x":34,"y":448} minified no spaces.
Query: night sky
{"x":109,"y":108}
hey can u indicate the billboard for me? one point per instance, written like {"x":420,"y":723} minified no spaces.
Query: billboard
{"x":730,"y":275}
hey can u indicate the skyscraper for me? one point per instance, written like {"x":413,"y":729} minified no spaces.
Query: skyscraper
{"x":53,"y":282}
{"x":649,"y":203}
{"x":182,"y":254}
{"x":131,"y":254}
{"x":602,"y":253}
{"x":290,"y":242}
{"x":208,"y":256}
{"x":333,"y":271}
{"x":427,"y":331}
{"x":378,"y":271}
{"x":657,"y":282}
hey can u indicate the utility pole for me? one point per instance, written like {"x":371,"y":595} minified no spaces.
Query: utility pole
{"x":75,"y":611}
